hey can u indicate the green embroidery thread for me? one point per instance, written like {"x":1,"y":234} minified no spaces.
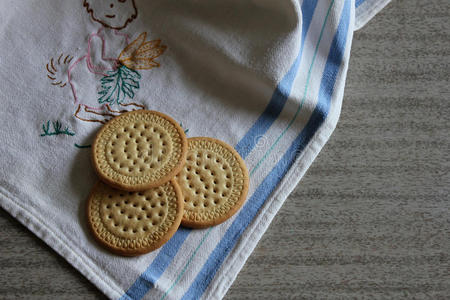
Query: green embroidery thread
{"x":186,"y":130}
{"x":118,"y":85}
{"x":57,"y":126}
{"x":82,"y":146}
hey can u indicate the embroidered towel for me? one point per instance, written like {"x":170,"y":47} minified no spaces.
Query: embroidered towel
{"x":265,"y":76}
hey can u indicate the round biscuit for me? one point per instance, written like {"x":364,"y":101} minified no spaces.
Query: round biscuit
{"x":134,"y":223}
{"x":139,"y":150}
{"x":214,"y":182}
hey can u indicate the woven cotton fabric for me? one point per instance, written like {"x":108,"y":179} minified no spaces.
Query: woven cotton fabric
{"x":267,"y":77}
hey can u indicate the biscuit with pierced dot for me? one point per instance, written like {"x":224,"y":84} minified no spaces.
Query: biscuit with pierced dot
{"x":139,"y":150}
{"x":134,"y":223}
{"x":214,"y":182}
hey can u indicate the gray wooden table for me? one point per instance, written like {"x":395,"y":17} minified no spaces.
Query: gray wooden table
{"x":371,"y":218}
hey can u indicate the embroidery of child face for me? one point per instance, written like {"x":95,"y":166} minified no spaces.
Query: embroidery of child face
{"x":115,"y":14}
{"x":118,"y":79}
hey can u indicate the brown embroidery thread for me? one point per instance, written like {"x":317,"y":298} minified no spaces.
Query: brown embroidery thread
{"x":91,"y":12}
{"x":135,"y":104}
{"x":140,"y":54}
{"x":98,"y":113}
{"x":122,"y":104}
{"x":92,"y":111}
{"x":86,"y":120}
{"x":49,"y":70}
{"x":137,"y":55}
{"x":58,"y":74}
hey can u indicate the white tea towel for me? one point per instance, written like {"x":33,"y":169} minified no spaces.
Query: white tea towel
{"x":366,"y":10}
{"x":264,"y":76}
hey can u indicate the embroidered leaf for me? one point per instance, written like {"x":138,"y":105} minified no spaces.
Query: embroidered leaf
{"x":129,"y":50}
{"x":141,"y":64}
{"x":140,"y":54}
{"x":118,"y":85}
{"x":150,"y":50}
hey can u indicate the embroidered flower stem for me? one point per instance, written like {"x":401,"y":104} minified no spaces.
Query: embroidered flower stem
{"x":82,"y":146}
{"x":57,"y":126}
{"x":185,"y":130}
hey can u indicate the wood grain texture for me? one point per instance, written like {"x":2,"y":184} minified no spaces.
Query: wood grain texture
{"x":371,"y":218}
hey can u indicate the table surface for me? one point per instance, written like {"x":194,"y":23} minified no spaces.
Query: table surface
{"x":370,"y":219}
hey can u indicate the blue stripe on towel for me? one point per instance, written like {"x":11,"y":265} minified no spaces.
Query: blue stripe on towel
{"x":281,"y":93}
{"x":359,"y":2}
{"x":147,"y":280}
{"x":252,"y":206}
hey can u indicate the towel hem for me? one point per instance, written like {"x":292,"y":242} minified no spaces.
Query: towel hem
{"x":368,"y":11}
{"x":283,"y":190}
{"x":58,"y":243}
{"x":220,"y":285}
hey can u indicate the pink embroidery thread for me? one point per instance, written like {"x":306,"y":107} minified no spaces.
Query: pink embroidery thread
{"x":120,"y":78}
{"x":89,"y":63}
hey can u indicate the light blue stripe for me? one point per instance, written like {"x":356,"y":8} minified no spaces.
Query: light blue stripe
{"x":359,"y":2}
{"x":305,"y":92}
{"x":281,"y":93}
{"x":299,"y":108}
{"x":187,"y":264}
{"x":252,"y":206}
{"x":147,"y":280}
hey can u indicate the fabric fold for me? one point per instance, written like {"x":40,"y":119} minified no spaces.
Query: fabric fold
{"x":265,"y":77}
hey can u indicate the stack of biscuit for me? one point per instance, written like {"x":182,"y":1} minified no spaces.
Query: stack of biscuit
{"x":153,"y":178}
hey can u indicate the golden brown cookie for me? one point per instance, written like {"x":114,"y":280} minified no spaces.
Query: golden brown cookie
{"x":139,"y":150}
{"x":133,"y":223}
{"x":214,"y":182}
